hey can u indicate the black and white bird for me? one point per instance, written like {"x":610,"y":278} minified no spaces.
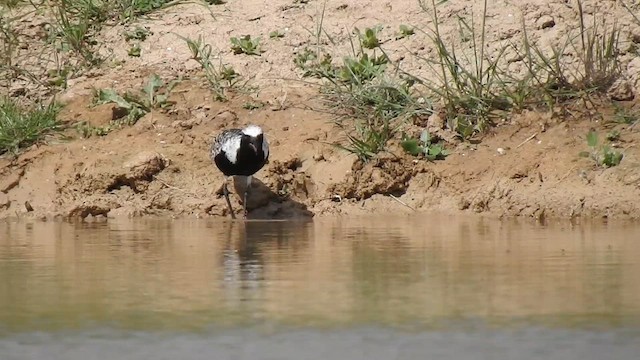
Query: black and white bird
{"x":240,"y":153}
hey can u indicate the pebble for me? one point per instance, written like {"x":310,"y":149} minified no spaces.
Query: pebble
{"x":545,"y":22}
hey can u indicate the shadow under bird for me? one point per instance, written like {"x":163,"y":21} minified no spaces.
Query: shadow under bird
{"x":240,"y":153}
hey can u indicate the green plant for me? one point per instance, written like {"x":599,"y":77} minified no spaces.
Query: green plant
{"x":221,"y":78}
{"x":74,"y":31}
{"x":20,"y":127}
{"x":424,"y":146}
{"x":246,"y":45}
{"x":369,"y":39}
{"x":134,"y":50}
{"x":358,"y":70}
{"x":132,"y":9}
{"x":369,"y":103}
{"x":252,"y":105}
{"x":613,"y":135}
{"x":133,"y":106}
{"x":623,"y":115}
{"x":87,"y":130}
{"x":596,"y":68}
{"x":470,"y":88}
{"x":602,"y":154}
{"x":138,"y":33}
{"x":365,"y":140}
{"x":276,"y":34}
{"x":405,"y":31}
{"x":216,"y":2}
{"x":314,"y":65}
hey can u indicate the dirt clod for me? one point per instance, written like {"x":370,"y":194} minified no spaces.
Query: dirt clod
{"x":384,"y":175}
{"x":11,"y":181}
{"x":145,"y":165}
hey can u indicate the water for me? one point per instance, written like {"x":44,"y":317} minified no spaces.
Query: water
{"x":352,"y":288}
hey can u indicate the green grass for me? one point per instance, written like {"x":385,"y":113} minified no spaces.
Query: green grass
{"x":373,"y":98}
{"x":20,"y":127}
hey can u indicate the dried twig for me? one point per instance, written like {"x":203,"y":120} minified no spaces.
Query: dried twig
{"x":527,"y":140}
{"x":402,"y":202}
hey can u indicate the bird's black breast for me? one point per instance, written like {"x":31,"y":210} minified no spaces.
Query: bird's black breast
{"x":248,"y":162}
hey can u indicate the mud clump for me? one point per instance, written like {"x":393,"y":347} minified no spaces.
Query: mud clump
{"x":94,"y":207}
{"x":142,"y":168}
{"x":387,"y":174}
{"x":288,"y":181}
{"x":102,"y":185}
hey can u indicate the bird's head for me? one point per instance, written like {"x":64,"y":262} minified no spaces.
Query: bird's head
{"x":252,"y":135}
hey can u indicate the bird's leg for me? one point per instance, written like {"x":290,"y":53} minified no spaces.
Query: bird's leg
{"x":246,"y":192}
{"x":226,"y":196}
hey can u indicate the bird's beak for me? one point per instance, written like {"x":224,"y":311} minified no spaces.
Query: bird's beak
{"x":253,"y":146}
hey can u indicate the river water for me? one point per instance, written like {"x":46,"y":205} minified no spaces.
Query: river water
{"x":420,"y":287}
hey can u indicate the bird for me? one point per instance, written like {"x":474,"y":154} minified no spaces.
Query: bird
{"x":240,"y":153}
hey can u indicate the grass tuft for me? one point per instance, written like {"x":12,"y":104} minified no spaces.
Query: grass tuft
{"x":20,"y":127}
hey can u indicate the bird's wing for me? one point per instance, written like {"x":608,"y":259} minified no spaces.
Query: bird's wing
{"x":223,"y":137}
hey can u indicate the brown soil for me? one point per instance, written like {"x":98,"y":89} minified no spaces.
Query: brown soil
{"x":527,"y":166}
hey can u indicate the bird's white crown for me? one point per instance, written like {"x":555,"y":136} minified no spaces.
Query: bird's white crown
{"x":252,"y":130}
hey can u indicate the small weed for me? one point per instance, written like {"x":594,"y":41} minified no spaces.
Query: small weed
{"x":358,"y":70}
{"x":314,"y":66}
{"x":276,"y":34}
{"x":132,"y":9}
{"x":613,"y":135}
{"x":74,"y":33}
{"x":134,"y":50}
{"x":405,"y":31}
{"x":623,"y":115}
{"x":216,"y":2}
{"x":136,"y":106}
{"x":21,"y":127}
{"x":86,"y":130}
{"x":138,"y":33}
{"x":252,"y":105}
{"x":424,"y":146}
{"x":366,"y":140}
{"x":59,"y":77}
{"x":221,"y":78}
{"x":246,"y":45}
{"x":369,"y":39}
{"x":602,"y":154}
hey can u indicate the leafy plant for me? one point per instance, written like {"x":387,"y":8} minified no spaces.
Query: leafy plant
{"x":132,"y":106}
{"x":138,"y":33}
{"x":314,"y":65}
{"x":134,"y":50}
{"x":221,"y":78}
{"x":405,"y":31}
{"x":424,"y":146}
{"x":252,"y":105}
{"x":602,"y":154}
{"x":358,"y":70}
{"x":246,"y":45}
{"x":20,"y":127}
{"x":369,"y":39}
{"x":276,"y":34}
{"x":623,"y":115}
